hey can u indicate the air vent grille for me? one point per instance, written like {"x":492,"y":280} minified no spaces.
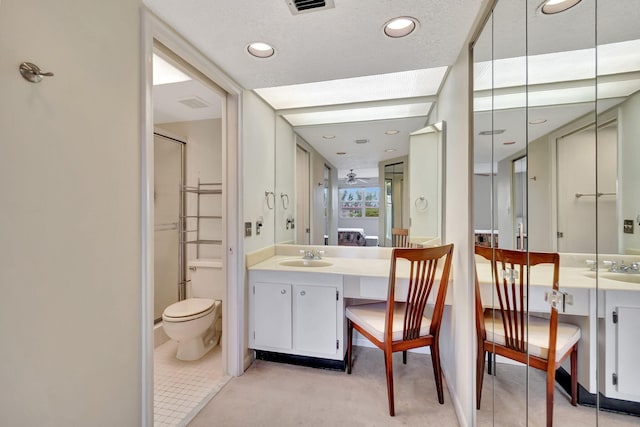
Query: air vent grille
{"x":303,"y":6}
{"x":361,"y":141}
{"x":194,"y":102}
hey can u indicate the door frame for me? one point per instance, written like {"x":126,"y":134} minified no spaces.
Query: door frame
{"x":153,"y":28}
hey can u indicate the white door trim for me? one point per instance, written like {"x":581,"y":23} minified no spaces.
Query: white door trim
{"x":234,"y":326}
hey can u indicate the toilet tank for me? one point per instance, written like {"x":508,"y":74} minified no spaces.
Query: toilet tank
{"x":205,"y":278}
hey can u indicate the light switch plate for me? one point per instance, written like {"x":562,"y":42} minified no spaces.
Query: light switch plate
{"x":247,"y":229}
{"x":627,"y":226}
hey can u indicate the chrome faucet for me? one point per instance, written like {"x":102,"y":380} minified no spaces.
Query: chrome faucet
{"x":311,"y":254}
{"x":614,"y":267}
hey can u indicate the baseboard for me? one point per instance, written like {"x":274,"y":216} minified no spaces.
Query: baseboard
{"x":294,"y":359}
{"x":563,"y":378}
{"x":159,"y":336}
{"x":457,"y":406}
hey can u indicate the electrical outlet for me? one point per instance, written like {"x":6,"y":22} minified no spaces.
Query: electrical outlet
{"x":627,"y":226}
{"x":247,"y":229}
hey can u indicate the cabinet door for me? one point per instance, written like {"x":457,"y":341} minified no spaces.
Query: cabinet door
{"x":628,"y":369}
{"x":272,"y":315}
{"x":314,"y":319}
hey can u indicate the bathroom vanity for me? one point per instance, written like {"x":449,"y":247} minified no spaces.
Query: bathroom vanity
{"x":298,"y":309}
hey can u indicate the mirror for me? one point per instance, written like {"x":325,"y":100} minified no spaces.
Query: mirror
{"x":555,"y":159}
{"x":379,"y":190}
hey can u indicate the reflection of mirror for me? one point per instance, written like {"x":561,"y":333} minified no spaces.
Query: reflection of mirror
{"x":556,"y":107}
{"x":374,"y":190}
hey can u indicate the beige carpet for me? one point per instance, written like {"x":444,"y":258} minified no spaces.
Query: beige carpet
{"x":275,"y":394}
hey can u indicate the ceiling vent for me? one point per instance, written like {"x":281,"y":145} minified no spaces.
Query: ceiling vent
{"x":194,"y":102}
{"x":303,"y":6}
{"x":361,"y":141}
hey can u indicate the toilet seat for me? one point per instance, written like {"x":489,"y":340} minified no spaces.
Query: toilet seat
{"x":188,"y":309}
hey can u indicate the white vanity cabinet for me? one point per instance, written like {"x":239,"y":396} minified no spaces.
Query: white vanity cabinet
{"x":297,"y":313}
{"x":622,"y":337}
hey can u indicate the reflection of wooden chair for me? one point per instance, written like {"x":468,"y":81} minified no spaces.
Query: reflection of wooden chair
{"x":507,"y":330}
{"x":400,"y":237}
{"x":400,"y":326}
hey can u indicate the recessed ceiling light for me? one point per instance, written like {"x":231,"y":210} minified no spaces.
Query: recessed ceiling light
{"x":389,"y":150}
{"x":537,"y":121}
{"x":400,"y":27}
{"x":341,"y":153}
{"x":328,"y":136}
{"x":392,"y":132}
{"x":261,"y":50}
{"x":508,"y":143}
{"x":550,"y":7}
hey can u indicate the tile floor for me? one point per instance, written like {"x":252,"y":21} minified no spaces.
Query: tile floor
{"x":182,"y":388}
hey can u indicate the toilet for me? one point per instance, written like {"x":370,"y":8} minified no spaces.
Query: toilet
{"x":195,"y":323}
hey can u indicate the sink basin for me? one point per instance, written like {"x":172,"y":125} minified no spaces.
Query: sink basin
{"x":621,"y":277}
{"x":306,"y":263}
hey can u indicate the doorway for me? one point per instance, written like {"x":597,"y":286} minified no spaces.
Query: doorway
{"x":231,"y":355}
{"x":303,"y":231}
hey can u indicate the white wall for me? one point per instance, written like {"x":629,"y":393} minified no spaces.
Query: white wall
{"x":70,"y":322}
{"x":629,"y":173}
{"x":482,"y":200}
{"x":259,"y":169}
{"x":458,"y":327}
{"x":425,"y":180}
{"x":285,"y":180}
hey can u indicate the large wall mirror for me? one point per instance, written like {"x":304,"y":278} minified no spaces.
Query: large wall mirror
{"x":365,"y":178}
{"x":556,"y":154}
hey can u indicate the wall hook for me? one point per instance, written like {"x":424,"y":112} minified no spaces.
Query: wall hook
{"x":32,"y":73}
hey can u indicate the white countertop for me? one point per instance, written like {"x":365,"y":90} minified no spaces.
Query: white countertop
{"x":570,"y":276}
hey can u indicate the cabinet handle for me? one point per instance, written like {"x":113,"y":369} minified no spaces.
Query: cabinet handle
{"x":303,"y":293}
{"x":284,"y":291}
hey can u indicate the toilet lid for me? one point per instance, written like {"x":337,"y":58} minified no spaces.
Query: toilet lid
{"x":188,"y":307}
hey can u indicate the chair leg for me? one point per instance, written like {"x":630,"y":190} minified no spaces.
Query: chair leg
{"x":388,"y":365}
{"x":437,"y":370}
{"x":349,"y":339}
{"x":404,"y":357}
{"x":551,"y":382}
{"x":490,"y":363}
{"x":479,"y":374}
{"x":574,"y":375}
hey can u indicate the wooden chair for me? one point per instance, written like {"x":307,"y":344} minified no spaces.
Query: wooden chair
{"x":399,"y":326}
{"x":400,"y":237}
{"x":542,"y":343}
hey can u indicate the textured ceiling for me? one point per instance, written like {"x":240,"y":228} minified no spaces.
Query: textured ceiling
{"x":346,"y":41}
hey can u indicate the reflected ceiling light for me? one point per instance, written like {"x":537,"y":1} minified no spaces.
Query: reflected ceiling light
{"x":550,"y":7}
{"x":400,"y":27}
{"x":328,"y":136}
{"x":392,"y":132}
{"x":165,"y":73}
{"x":389,"y":150}
{"x":260,"y":50}
{"x":537,"y":121}
{"x":359,"y":114}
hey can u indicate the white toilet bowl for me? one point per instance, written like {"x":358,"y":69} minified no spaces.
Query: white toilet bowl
{"x":191,"y":323}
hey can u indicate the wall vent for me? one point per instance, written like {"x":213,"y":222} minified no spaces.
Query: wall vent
{"x":194,"y":102}
{"x":303,"y":6}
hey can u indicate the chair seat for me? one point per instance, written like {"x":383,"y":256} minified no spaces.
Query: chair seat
{"x":568,"y":335}
{"x":371,"y":318}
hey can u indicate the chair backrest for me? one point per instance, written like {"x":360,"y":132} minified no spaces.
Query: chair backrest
{"x":400,"y":237}
{"x":510,"y":271}
{"x":423,"y":269}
